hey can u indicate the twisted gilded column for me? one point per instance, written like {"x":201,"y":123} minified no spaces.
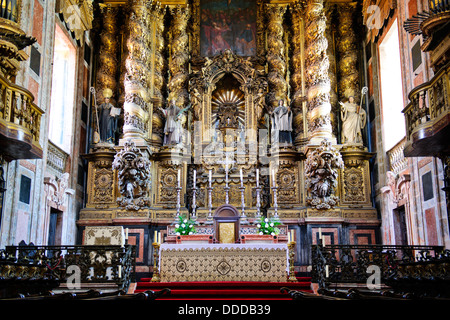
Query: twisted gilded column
{"x":297,"y":11}
{"x":178,"y":65}
{"x":158,"y":74}
{"x":348,"y":54}
{"x":109,"y":47}
{"x":137,"y":73}
{"x":276,"y":54}
{"x":329,"y":34}
{"x":317,"y":79}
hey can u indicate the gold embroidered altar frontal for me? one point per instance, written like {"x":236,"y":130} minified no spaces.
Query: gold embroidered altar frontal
{"x":232,"y":262}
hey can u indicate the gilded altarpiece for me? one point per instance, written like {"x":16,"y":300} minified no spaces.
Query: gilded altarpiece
{"x":226,"y":101}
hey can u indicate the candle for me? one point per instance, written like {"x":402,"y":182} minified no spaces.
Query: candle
{"x":273,"y":177}
{"x":126,"y":233}
{"x":289,"y":237}
{"x":242,"y":178}
{"x":257,"y":177}
{"x":195,"y":177}
{"x":326,"y":271}
{"x":155,"y":237}
{"x":159,"y":237}
{"x":179,"y":176}
{"x":292,"y":235}
{"x":210,"y":177}
{"x":120,"y":271}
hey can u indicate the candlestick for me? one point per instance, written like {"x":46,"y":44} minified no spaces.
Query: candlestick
{"x":156,"y":277}
{"x":257,"y":177}
{"x":210,"y":178}
{"x":273,"y":178}
{"x":209,"y":220}
{"x":292,"y":277}
{"x":275,"y":203}
{"x":258,"y":202}
{"x":242,"y":178}
{"x":243,"y":216}
{"x":178,"y":201}
{"x":226,"y":188}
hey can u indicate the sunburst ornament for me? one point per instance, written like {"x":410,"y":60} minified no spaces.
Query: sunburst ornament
{"x":228,"y":107}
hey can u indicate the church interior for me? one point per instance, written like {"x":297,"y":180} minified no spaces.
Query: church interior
{"x":276,"y":149}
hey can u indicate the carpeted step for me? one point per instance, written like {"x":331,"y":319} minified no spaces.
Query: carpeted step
{"x":223,"y":290}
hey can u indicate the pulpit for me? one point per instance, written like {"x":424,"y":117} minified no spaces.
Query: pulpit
{"x":226,"y":224}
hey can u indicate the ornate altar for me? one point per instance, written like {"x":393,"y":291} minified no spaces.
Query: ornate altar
{"x":226,"y":77}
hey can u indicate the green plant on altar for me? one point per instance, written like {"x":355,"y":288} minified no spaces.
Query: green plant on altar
{"x":268,"y":226}
{"x":184,"y":226}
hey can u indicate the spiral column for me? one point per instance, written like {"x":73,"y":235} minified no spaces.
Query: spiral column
{"x":297,"y":98}
{"x":347,"y":52}
{"x":329,"y":13}
{"x":178,"y":65}
{"x":109,"y":46}
{"x":317,"y":78}
{"x":137,"y":73}
{"x":276,"y":54}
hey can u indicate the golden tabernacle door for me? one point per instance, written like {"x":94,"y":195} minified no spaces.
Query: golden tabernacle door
{"x":226,"y":220}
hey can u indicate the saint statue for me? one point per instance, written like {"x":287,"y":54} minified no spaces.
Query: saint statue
{"x":174,"y":123}
{"x":353,"y":121}
{"x":281,"y":119}
{"x":108,"y":116}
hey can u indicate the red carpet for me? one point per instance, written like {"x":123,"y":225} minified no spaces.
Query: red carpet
{"x":227,"y":290}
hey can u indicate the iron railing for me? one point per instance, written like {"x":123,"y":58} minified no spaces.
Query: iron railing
{"x":350,"y":263}
{"x":87,"y":264}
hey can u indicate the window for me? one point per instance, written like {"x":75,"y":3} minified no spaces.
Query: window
{"x":63,"y":91}
{"x":391,"y":88}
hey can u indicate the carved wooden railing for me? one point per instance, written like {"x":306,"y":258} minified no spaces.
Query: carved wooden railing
{"x":350,"y":263}
{"x":88,"y":264}
{"x":429,"y":104}
{"x":20,"y":120}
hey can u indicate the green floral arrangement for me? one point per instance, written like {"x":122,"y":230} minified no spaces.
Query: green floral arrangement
{"x":184,"y":226}
{"x":268,"y":226}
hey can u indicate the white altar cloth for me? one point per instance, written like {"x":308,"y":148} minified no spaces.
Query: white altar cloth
{"x":223,"y":262}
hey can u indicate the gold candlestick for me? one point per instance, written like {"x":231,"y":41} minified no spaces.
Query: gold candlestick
{"x":291,"y":246}
{"x":156,"y":277}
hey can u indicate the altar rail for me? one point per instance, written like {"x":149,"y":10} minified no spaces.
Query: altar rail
{"x":350,"y":263}
{"x":95,"y":264}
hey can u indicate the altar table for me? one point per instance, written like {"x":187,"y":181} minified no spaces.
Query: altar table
{"x":223,"y":262}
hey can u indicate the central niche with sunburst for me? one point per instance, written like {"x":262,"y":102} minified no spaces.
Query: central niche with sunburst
{"x":228,"y":104}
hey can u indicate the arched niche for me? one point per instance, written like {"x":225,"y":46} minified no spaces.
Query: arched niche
{"x":246,"y":78}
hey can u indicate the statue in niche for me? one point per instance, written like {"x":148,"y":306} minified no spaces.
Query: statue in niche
{"x":108,"y":116}
{"x":281,"y":119}
{"x":175,"y":119}
{"x":353,"y":120}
